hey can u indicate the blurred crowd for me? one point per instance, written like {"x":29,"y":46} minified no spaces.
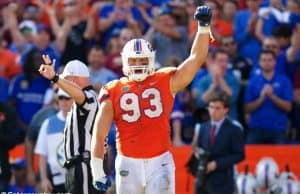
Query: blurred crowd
{"x":254,"y":57}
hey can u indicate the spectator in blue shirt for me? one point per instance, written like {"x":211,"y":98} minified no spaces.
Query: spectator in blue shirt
{"x":218,"y":79}
{"x":99,"y":74}
{"x":293,"y":8}
{"x":166,"y":32}
{"x":117,"y":16}
{"x":40,"y":37}
{"x":266,"y":3}
{"x":42,"y":42}
{"x":268,"y":19}
{"x":283,"y":34}
{"x":3,"y":90}
{"x":182,"y":119}
{"x":157,"y":2}
{"x":27,"y":90}
{"x":244,"y":31}
{"x":19,"y":172}
{"x":268,"y":100}
{"x":285,"y":60}
{"x":240,"y":66}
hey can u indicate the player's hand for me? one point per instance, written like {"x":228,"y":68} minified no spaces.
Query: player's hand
{"x":103,"y":184}
{"x":100,"y":180}
{"x":203,"y":15}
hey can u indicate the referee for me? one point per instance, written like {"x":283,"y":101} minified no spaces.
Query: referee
{"x":79,"y":122}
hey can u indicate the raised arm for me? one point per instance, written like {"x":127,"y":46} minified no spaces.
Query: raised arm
{"x":56,"y":28}
{"x":105,"y":23}
{"x":11,"y":21}
{"x":259,"y":29}
{"x":62,"y":35}
{"x":295,"y":45}
{"x":47,"y":70}
{"x":51,"y":9}
{"x":188,"y":69}
{"x":60,"y":31}
{"x":91,"y":25}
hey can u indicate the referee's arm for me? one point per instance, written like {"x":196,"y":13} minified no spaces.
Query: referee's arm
{"x":73,"y":90}
{"x":47,"y":70}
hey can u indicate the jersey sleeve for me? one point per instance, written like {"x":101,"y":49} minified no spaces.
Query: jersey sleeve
{"x":104,"y":93}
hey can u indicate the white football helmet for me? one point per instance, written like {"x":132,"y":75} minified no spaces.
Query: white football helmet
{"x":138,"y":48}
{"x":287,"y":175}
{"x":285,"y":187}
{"x":288,"y":182}
{"x":267,"y":172}
{"x":246,"y":184}
{"x":290,"y":187}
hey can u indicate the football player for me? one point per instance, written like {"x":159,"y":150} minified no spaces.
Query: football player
{"x":140,"y":104}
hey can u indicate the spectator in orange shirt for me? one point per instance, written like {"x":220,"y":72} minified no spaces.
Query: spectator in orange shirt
{"x":191,"y":6}
{"x":8,"y":66}
{"x":222,"y":26}
{"x":219,"y":27}
{"x":229,"y":10}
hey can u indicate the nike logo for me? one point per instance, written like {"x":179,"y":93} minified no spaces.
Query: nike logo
{"x":164,"y":164}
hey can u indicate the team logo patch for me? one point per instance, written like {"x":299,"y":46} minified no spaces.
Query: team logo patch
{"x":124,"y":172}
{"x":125,"y":89}
{"x":24,"y":84}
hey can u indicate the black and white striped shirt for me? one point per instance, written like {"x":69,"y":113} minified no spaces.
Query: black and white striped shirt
{"x":79,"y":125}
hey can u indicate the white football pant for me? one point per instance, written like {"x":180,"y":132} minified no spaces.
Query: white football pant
{"x":145,"y":176}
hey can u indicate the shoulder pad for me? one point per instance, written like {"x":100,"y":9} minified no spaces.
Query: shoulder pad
{"x":111,"y":84}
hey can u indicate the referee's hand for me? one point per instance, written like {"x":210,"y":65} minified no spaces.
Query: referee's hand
{"x":103,"y":184}
{"x":47,"y":69}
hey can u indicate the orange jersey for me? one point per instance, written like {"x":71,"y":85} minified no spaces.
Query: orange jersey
{"x":142,"y":113}
{"x":8,"y":66}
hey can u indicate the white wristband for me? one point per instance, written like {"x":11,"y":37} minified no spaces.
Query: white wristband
{"x":97,"y":168}
{"x":205,"y":30}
